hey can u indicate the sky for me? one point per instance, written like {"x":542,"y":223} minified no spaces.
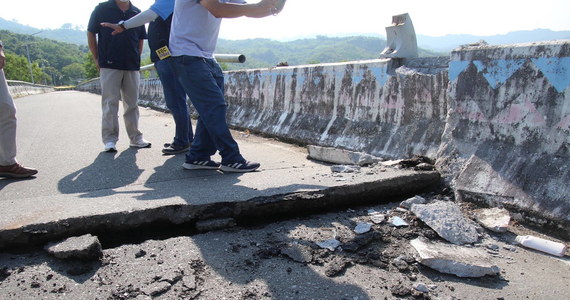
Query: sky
{"x":305,"y":18}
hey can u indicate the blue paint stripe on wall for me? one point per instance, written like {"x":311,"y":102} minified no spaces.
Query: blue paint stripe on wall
{"x":556,"y":69}
{"x":497,"y":72}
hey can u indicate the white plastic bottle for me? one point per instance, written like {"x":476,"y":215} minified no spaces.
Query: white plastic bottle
{"x":543,"y":245}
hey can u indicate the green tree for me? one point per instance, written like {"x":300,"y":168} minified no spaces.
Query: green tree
{"x":73,"y":73}
{"x":16,"y":67}
{"x":89,"y":66}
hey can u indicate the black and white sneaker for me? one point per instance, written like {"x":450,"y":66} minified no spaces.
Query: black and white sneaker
{"x":172,"y":149}
{"x":201,"y":165}
{"x":240,"y":167}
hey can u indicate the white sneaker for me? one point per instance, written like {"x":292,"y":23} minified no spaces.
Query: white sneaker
{"x":142,"y":143}
{"x":110,"y":147}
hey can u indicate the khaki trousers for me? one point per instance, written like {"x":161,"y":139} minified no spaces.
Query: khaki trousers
{"x":7,"y":124}
{"x":119,"y":85}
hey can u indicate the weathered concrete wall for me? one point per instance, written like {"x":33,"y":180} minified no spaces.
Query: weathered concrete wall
{"x":370,"y":106}
{"x":497,"y":119}
{"x":508,"y":130}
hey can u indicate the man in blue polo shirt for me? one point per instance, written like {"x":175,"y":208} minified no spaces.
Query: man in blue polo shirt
{"x":118,"y":59}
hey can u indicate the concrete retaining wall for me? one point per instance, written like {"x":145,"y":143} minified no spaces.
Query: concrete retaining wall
{"x":496,"y":118}
{"x":507,"y":139}
{"x":21,"y":88}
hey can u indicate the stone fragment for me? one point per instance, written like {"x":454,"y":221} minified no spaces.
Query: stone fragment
{"x":453,"y":259}
{"x":397,"y":221}
{"x":411,"y":201}
{"x":377,"y":218}
{"x":446,"y":219}
{"x":360,"y":241}
{"x":85,"y":247}
{"x":345,"y":169}
{"x":341,"y":156}
{"x":421,"y":287}
{"x":495,"y":219}
{"x":331,"y":244}
{"x":362,"y":228}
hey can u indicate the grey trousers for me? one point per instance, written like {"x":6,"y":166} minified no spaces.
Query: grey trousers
{"x":7,"y":124}
{"x":119,"y":85}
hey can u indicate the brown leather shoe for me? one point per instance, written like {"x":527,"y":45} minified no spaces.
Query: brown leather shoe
{"x":17,"y":171}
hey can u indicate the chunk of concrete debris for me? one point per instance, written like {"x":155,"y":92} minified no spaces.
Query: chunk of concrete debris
{"x":411,"y":201}
{"x":345,"y":169}
{"x":453,"y":259}
{"x":362,"y":228}
{"x":391,"y":163}
{"x":446,"y":219}
{"x":421,"y":287}
{"x":331,"y":244}
{"x":85,"y":247}
{"x":341,"y":156}
{"x":377,"y":218}
{"x":495,"y":219}
{"x":397,"y":222}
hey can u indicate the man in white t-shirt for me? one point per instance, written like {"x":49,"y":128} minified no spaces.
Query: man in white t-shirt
{"x":193,"y":38}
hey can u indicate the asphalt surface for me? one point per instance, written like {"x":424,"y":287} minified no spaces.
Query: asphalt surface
{"x":82,"y":189}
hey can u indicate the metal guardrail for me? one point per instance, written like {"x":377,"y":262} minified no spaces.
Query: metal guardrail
{"x":227,"y":58}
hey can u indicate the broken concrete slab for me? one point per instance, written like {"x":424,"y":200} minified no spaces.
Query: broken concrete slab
{"x":495,"y":219}
{"x":447,"y":220}
{"x":210,"y":196}
{"x":341,"y":156}
{"x":453,"y":259}
{"x":85,"y":247}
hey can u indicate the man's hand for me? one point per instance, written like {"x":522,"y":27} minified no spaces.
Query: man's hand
{"x":116,"y":27}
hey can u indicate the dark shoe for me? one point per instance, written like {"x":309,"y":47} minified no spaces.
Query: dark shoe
{"x":17,"y":171}
{"x":172,"y":149}
{"x":241,"y":167}
{"x":201,"y":165}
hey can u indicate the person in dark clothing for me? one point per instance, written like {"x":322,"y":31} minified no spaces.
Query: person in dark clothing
{"x":118,"y":59}
{"x":159,"y":17}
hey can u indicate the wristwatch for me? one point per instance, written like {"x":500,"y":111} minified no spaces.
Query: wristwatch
{"x":122,"y":24}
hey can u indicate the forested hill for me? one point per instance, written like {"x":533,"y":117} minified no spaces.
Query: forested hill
{"x":267,"y":53}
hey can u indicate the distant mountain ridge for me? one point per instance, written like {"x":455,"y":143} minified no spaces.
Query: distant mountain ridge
{"x":449,"y":42}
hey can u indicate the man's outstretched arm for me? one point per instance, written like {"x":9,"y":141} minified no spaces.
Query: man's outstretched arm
{"x":233,"y":10}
